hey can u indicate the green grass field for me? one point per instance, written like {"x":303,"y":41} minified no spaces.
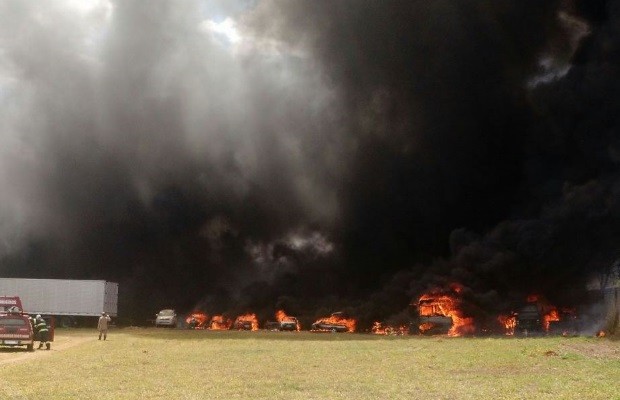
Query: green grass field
{"x":138,"y":363}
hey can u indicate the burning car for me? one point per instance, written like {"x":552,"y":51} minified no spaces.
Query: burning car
{"x":196,"y":320}
{"x":537,"y":316}
{"x":284,"y":323}
{"x":334,"y":323}
{"x":247,"y":322}
{"x":219,"y":323}
{"x":441,"y":312}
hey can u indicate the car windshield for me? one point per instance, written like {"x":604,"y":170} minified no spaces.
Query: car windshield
{"x":166,"y":313}
{"x":12,"y":322}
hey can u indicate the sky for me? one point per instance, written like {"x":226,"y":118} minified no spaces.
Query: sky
{"x":252,"y":154}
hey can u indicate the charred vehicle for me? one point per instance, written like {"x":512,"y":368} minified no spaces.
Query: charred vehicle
{"x":284,"y":323}
{"x":529,"y":319}
{"x":247,"y":322}
{"x":538,"y":315}
{"x":196,"y":320}
{"x":334,"y":323}
{"x":219,"y":323}
{"x":446,"y":311}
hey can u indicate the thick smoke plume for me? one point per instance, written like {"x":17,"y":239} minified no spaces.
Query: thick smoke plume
{"x":240,"y":155}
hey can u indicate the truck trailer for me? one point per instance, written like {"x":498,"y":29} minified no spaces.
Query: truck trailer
{"x":68,"y":300}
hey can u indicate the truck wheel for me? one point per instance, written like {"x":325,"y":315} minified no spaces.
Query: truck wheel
{"x":30,"y":347}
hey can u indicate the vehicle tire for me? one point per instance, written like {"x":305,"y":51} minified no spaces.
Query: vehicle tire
{"x":30,"y":347}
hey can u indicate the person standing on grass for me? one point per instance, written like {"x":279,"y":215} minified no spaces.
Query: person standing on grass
{"x":40,"y":327}
{"x":102,"y":326}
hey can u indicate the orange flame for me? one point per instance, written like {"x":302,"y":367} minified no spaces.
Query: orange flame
{"x":533,"y":298}
{"x":379,"y":329}
{"x":337,"y":319}
{"x":219,"y":323}
{"x":242,"y":320}
{"x":509,"y":322}
{"x":282,"y":317}
{"x":197,"y":320}
{"x":549,"y":312}
{"x":445,"y":305}
{"x":425,"y":327}
{"x":551,"y":316}
{"x":601,"y":334}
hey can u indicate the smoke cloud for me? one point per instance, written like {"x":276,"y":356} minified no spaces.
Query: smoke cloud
{"x":316,"y":155}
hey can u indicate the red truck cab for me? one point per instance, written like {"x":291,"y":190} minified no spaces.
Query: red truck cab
{"x":15,"y":326}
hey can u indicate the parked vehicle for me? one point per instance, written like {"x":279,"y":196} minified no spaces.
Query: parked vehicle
{"x":15,"y":327}
{"x":289,"y":324}
{"x":166,"y":318}
{"x":68,"y":300}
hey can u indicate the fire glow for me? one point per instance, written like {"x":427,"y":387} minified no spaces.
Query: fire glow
{"x":444,"y":304}
{"x":379,"y":329}
{"x":548,"y":312}
{"x":509,"y":323}
{"x":219,"y":323}
{"x":197,"y":320}
{"x":282,"y":317}
{"x":246,"y":322}
{"x":332,"y":323}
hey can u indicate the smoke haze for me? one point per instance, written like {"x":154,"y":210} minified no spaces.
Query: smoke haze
{"x":309,"y":154}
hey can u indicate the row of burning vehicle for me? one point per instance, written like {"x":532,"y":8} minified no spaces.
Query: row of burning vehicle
{"x":443,"y":312}
{"x":438,"y":313}
{"x":283,"y":322}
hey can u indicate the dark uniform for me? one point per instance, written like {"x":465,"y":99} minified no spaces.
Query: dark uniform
{"x":42,"y":331}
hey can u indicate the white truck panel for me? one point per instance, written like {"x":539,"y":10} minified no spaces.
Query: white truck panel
{"x":63,"y":296}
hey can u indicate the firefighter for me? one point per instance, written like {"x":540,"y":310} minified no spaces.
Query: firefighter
{"x":102,"y":325}
{"x":42,"y":332}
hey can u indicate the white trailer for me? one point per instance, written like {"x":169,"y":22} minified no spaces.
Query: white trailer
{"x":63,"y":298}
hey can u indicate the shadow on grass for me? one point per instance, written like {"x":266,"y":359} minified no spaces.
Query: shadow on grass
{"x":22,"y":349}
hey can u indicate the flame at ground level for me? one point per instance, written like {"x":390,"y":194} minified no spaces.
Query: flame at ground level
{"x":509,"y":323}
{"x":379,"y":329}
{"x":197,"y":320}
{"x":219,"y":323}
{"x":246,"y":322}
{"x":448,"y":305}
{"x":282,"y":317}
{"x":335,"y":322}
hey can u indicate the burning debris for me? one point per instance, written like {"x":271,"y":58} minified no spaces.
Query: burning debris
{"x":246,"y":322}
{"x":380,"y":329}
{"x":197,"y":320}
{"x":509,"y":322}
{"x":219,"y":323}
{"x":334,"y":323}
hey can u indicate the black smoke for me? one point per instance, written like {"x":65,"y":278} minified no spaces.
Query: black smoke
{"x":343,"y":155}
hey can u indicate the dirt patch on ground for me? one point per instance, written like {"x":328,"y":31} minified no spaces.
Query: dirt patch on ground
{"x":604,"y":349}
{"x":61,"y":343}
